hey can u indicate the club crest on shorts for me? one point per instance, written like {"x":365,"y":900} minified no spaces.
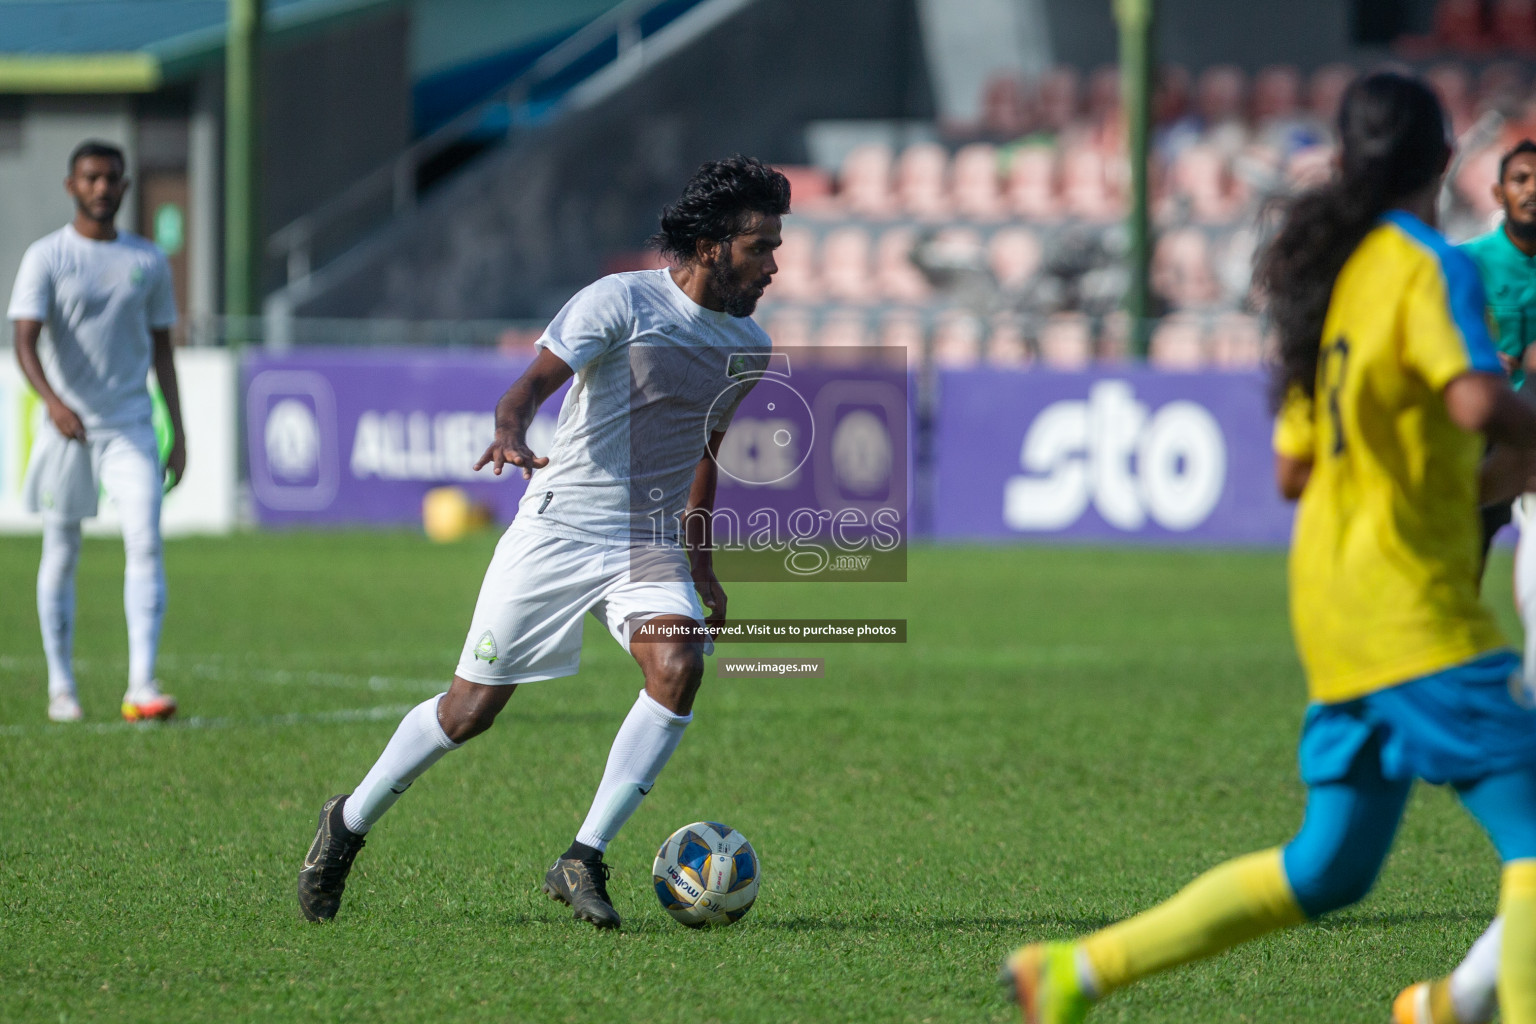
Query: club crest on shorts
{"x":485,"y":648}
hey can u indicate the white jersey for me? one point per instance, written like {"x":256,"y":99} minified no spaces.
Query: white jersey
{"x":99,"y":301}
{"x":654,"y":379}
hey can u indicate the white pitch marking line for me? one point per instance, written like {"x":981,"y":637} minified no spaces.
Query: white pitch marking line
{"x":374,"y":714}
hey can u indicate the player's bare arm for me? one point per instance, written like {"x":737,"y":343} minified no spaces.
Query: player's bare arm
{"x":165,"y":374}
{"x":698,"y":533}
{"x":64,"y":418}
{"x":1291,"y":476}
{"x":516,"y":409}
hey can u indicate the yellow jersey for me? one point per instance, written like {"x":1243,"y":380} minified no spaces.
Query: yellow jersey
{"x":1385,"y":553}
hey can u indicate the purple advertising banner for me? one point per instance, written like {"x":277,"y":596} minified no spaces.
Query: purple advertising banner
{"x":1134,"y":455}
{"x":340,"y":436}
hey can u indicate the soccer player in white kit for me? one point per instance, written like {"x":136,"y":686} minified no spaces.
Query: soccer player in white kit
{"x":661,"y":360}
{"x":105,"y":297}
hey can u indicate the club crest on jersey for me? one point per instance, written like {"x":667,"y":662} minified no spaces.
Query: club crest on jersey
{"x":485,"y":650}
{"x":737,"y":366}
{"x":136,"y":276}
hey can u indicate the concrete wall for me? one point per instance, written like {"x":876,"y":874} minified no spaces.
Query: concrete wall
{"x":523,"y":228}
{"x":32,"y":169}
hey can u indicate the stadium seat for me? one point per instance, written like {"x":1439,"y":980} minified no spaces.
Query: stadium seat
{"x":977,"y":187}
{"x":1005,"y":108}
{"x":1178,"y":343}
{"x":1514,"y":24}
{"x":896,"y":277}
{"x":1501,"y":85}
{"x":843,"y":328}
{"x":1276,"y":93}
{"x":1453,"y":85}
{"x":1006,"y":344}
{"x":1325,"y":90}
{"x":1014,"y":254}
{"x":1058,"y":99}
{"x":789,"y":327}
{"x":1104,"y":95}
{"x":810,"y":188}
{"x":1033,"y":183}
{"x":922,"y":181}
{"x":865,"y":181}
{"x":1171,"y":101}
{"x":845,"y":265}
{"x":796,"y":280}
{"x":1237,"y":342}
{"x":1459,"y":25}
{"x":1114,"y":345}
{"x":903,"y":329}
{"x":1086,"y":190}
{"x":1202,"y":176}
{"x":1066,"y":342}
{"x":957,"y":338}
{"x":1221,"y":100}
{"x":1181,"y":269}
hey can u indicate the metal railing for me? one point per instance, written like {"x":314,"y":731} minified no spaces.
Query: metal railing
{"x":392,"y":189}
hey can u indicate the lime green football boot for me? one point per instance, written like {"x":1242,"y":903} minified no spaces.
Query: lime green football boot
{"x":1042,"y":978}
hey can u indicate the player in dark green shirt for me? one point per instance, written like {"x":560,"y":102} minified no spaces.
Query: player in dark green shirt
{"x":1506,"y":261}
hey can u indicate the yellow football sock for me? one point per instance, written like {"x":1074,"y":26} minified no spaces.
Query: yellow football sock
{"x":1517,"y":960}
{"x":1231,"y":903}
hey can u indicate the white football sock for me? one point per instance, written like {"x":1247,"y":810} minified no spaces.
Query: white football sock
{"x":416,"y":746}
{"x":130,"y":474}
{"x":640,"y":751}
{"x":56,"y":602}
{"x":1475,"y":981}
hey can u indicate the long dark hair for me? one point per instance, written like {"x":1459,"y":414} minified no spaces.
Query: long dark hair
{"x":1393,"y":143}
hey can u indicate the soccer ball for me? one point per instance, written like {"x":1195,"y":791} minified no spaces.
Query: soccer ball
{"x":706,"y":875}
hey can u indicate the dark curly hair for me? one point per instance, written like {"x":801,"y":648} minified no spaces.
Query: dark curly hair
{"x":1393,"y":142}
{"x":717,"y":204}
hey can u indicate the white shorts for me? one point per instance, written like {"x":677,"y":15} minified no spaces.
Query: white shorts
{"x":528,"y":618}
{"x":1524,"y":512}
{"x":64,"y":477}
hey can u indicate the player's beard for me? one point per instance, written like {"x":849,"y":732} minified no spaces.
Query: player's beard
{"x":1525,"y":230}
{"x":737,"y":295}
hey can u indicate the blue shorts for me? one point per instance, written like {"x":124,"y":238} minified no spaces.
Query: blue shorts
{"x":1456,"y":725}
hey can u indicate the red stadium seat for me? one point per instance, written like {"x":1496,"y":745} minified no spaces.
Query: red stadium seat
{"x":1005,"y":108}
{"x":903,"y":329}
{"x":1066,"y":342}
{"x":1034,"y":183}
{"x":1086,"y":188}
{"x":1059,"y":99}
{"x":1237,"y":342}
{"x":789,"y":327}
{"x":1276,"y":93}
{"x":1453,"y":85}
{"x":810,"y":188}
{"x":1178,"y":343}
{"x":976,"y":184}
{"x":844,"y":328}
{"x":1326,"y":89}
{"x":1006,"y":345}
{"x":922,"y":181}
{"x":1202,"y":175}
{"x":845,"y":265}
{"x":796,"y":279}
{"x":1459,"y":25}
{"x":865,"y":182}
{"x":1514,"y":25}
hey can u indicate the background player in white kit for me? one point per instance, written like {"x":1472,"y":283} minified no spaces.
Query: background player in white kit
{"x":105,"y":297}
{"x":651,"y":352}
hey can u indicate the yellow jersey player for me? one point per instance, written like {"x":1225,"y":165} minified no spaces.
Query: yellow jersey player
{"x":1390,"y":384}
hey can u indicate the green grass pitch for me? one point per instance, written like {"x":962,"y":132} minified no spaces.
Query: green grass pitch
{"x":1068,"y":736}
